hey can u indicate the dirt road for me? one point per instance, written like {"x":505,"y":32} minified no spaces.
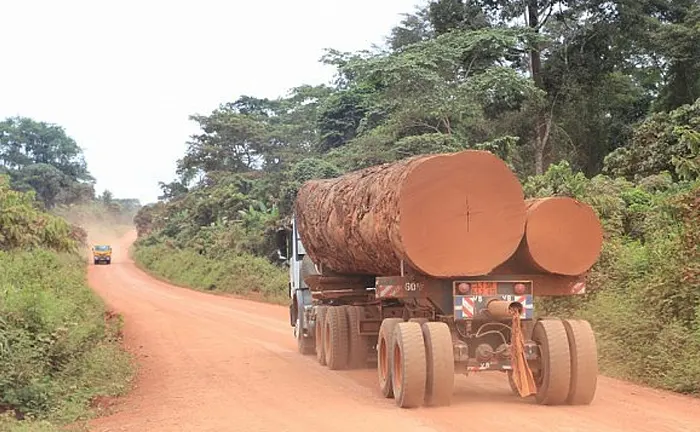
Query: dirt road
{"x":210,"y":363}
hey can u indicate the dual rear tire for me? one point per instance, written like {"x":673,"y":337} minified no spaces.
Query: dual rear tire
{"x":415,"y":362}
{"x":584,"y":362}
{"x":339,"y":344}
{"x":336,"y":338}
{"x":568,"y":370}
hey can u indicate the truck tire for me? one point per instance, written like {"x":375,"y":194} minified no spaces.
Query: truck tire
{"x":318,"y":332}
{"x":335,"y":340}
{"x":358,"y":343}
{"x":385,"y":342}
{"x":440,"y":364}
{"x":584,"y":362}
{"x":554,"y":375}
{"x":409,"y":371}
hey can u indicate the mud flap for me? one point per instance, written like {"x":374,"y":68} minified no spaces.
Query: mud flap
{"x":304,"y":299}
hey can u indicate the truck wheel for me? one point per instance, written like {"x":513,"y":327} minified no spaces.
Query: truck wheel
{"x":304,"y":344}
{"x":384,"y":343}
{"x":335,"y":340}
{"x":358,"y":343}
{"x":318,"y":332}
{"x":96,"y":262}
{"x":555,"y":362}
{"x":584,"y":362}
{"x":440,"y":364}
{"x":409,"y":370}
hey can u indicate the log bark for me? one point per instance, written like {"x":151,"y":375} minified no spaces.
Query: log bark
{"x":562,"y":236}
{"x":457,"y":214}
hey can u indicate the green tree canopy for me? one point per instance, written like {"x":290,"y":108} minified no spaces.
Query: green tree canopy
{"x":41,"y":157}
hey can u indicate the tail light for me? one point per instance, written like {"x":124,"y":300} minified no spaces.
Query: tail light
{"x":463,"y":288}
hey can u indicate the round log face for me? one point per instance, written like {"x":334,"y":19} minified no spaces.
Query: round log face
{"x":447,"y":215}
{"x":461,"y":214}
{"x":562,"y":235}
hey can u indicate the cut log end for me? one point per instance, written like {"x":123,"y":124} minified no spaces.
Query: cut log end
{"x":460,"y":214}
{"x":562,"y":235}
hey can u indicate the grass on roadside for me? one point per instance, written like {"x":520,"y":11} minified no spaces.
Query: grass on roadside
{"x":242,"y":274}
{"x":59,"y":348}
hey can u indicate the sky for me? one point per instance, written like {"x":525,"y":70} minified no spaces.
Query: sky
{"x":123,"y":77}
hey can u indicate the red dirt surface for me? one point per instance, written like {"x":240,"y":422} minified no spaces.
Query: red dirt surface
{"x":213,"y":363}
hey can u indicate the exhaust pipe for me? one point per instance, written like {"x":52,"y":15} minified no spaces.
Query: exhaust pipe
{"x":501,"y":309}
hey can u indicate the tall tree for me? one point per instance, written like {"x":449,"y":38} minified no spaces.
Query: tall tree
{"x":678,"y":38}
{"x":40,"y":156}
{"x":448,"y":15}
{"x":607,"y":59}
{"x":252,"y":135}
{"x":414,"y":27}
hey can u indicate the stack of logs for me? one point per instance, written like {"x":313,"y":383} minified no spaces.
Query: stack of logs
{"x":448,"y":215}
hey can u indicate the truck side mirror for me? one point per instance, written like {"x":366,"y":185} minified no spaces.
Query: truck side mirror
{"x":281,"y":241}
{"x":282,"y":258}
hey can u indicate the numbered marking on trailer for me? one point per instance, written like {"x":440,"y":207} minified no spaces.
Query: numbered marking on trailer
{"x":401,"y":287}
{"x":413,"y":286}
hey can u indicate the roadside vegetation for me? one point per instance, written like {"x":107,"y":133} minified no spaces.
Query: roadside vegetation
{"x":240,"y":274}
{"x":594,"y":100}
{"x":60,"y":348}
{"x":644,"y":299}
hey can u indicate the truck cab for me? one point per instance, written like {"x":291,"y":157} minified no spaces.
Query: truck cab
{"x":290,"y":250}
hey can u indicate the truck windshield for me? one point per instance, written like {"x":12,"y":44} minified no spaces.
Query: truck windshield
{"x":102,"y":248}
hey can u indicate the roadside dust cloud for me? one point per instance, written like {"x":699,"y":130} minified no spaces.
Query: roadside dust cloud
{"x":100,"y":229}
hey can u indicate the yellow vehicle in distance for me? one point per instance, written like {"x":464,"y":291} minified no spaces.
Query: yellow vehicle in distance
{"x":102,"y":254}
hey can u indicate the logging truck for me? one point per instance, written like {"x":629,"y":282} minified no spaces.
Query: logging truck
{"x":421,"y":329}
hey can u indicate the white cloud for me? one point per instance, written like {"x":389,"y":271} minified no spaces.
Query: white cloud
{"x":123,"y":77}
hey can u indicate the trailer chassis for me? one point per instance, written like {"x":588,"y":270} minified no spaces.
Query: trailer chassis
{"x":446,"y":327}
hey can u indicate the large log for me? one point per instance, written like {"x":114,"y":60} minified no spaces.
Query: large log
{"x":457,"y":214}
{"x":562,"y":236}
